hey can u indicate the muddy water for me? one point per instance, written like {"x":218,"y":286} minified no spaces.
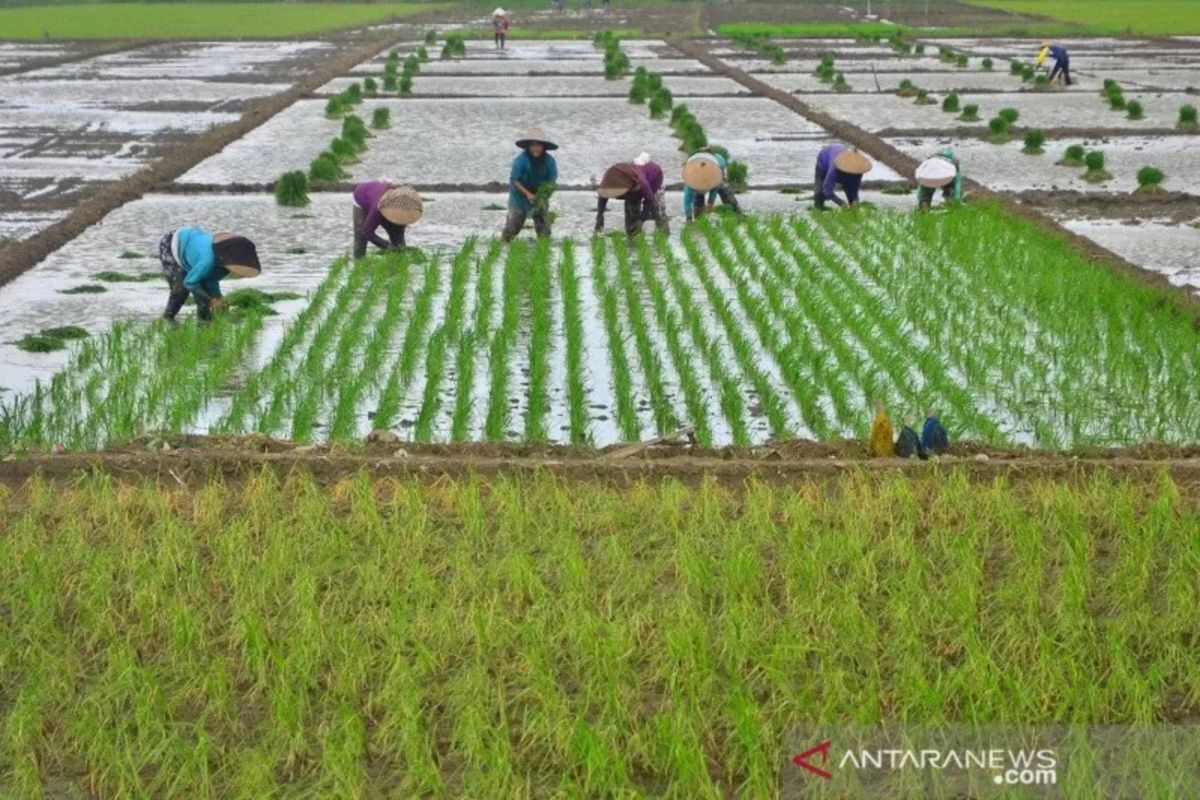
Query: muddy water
{"x":191,"y":60}
{"x":1173,"y":250}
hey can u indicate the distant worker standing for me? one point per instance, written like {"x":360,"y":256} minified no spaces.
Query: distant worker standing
{"x":942,"y":171}
{"x":839,"y":165}
{"x":534,"y":173}
{"x":195,"y":262}
{"x":500,"y":25}
{"x":1062,"y":62}
{"x":705,"y":178}
{"x":640,"y":184}
{"x":381,"y":204}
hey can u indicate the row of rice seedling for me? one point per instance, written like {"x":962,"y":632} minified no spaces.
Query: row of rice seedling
{"x":761,"y":43}
{"x":278,"y":637}
{"x":616,"y":60}
{"x":829,"y":74}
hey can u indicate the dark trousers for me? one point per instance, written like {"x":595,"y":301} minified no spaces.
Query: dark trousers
{"x":516,"y":221}
{"x":174,"y":274}
{"x":724,"y":191}
{"x":925,"y":194}
{"x":850,"y":187}
{"x":395,"y":233}
{"x":1062,"y":67}
{"x":498,"y":39}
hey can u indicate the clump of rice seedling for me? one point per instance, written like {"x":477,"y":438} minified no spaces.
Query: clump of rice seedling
{"x":923,"y":98}
{"x":127,"y":277}
{"x":406,"y":82}
{"x":353,"y":94}
{"x":291,"y":189}
{"x":1041,"y":83}
{"x":381,"y":118}
{"x":998,"y":129}
{"x":422,"y":54}
{"x":825,"y":70}
{"x":130,"y":254}
{"x":455,"y":45}
{"x":431,"y":36}
{"x":51,"y":339}
{"x":946,"y":54}
{"x":1034,"y":139}
{"x":987,"y":65}
{"x":919,"y":49}
{"x":1134,"y":110}
{"x":1150,"y":179}
{"x":1073,"y":156}
{"x":970,"y":113}
{"x":839,"y":83}
{"x":738,"y":174}
{"x":84,"y":288}
{"x":961,"y":60}
{"x":412,"y":64}
{"x":1015,"y":67}
{"x":616,"y":62}
{"x":654,"y":81}
{"x":370,"y":86}
{"x":1116,"y":100}
{"x":1187,"y":118}
{"x":343,"y":151}
{"x":907,"y":88}
{"x":354,"y":131}
{"x":1107,"y":85}
{"x":950,"y":103}
{"x":1094,"y":161}
{"x":326,"y":167}
{"x":1009,"y":115}
{"x":639,"y":87}
{"x":336,"y":106}
{"x":660,"y":103}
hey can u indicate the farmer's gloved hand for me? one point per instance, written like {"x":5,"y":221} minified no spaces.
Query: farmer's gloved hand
{"x":217,"y":305}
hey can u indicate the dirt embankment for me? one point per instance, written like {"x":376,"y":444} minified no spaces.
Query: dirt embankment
{"x":1134,"y":207}
{"x":904,"y":164}
{"x":196,"y":459}
{"x":16,"y":258}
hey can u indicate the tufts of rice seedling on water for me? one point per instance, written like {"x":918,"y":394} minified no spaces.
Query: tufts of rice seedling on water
{"x":370,"y":86}
{"x":1094,"y":161}
{"x":326,"y":167}
{"x":1187,"y":118}
{"x":514,"y":287}
{"x":907,"y":88}
{"x":986,"y":64}
{"x":568,"y":280}
{"x":291,"y":189}
{"x":998,"y":130}
{"x":970,"y":113}
{"x":514,"y":636}
{"x":84,"y":288}
{"x":1034,"y":139}
{"x":1150,"y":179}
{"x":1009,"y":115}
{"x":1072,"y":156}
{"x":1134,"y":110}
{"x":381,"y":118}
{"x":950,"y":103}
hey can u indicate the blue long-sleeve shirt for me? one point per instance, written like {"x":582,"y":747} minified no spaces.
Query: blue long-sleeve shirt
{"x":830,"y":176}
{"x":1059,"y":53}
{"x":532,"y":173}
{"x":689,"y":194}
{"x":199,"y":262}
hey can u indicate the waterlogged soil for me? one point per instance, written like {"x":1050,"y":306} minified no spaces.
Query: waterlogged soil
{"x":1169,"y":249}
{"x":491,"y":86}
{"x":253,"y":62}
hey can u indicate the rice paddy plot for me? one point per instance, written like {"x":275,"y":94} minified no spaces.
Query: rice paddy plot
{"x":745,"y":329}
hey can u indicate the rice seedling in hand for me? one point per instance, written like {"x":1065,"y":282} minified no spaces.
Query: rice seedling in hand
{"x":1072,"y":156}
{"x":1150,"y":180}
{"x":1095,"y":173}
{"x":998,"y":130}
{"x":381,"y":118}
{"x":291,"y":189}
{"x":1187,"y":119}
{"x":1134,"y":110}
{"x":1034,"y":139}
{"x":950,"y":103}
{"x":326,"y":167}
{"x":970,"y":113}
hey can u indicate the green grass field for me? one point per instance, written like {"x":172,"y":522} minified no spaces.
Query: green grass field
{"x":534,"y":637}
{"x":1111,"y":17}
{"x":809,"y":29}
{"x":193,"y":20}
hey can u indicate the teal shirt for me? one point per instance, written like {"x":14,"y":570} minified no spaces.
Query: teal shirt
{"x":532,"y":173}
{"x":951,"y":156}
{"x":199,"y":262}
{"x":689,"y":194}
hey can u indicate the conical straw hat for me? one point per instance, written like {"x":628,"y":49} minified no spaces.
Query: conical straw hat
{"x":499,"y":12}
{"x":237,"y":254}
{"x":702,"y":172}
{"x":617,"y":182}
{"x":534,"y":135}
{"x":935,"y":172}
{"x":852,"y":162}
{"x":401,"y":205}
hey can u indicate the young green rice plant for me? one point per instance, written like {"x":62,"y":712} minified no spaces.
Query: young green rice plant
{"x":84,"y":288}
{"x":1150,"y":179}
{"x":970,"y":113}
{"x":946,"y":54}
{"x":919,"y":49}
{"x":839,"y":83}
{"x":826,"y":72}
{"x":907,"y":88}
{"x":660,"y":103}
{"x":1116,"y":100}
{"x":568,"y":281}
{"x":1095,"y":173}
{"x":1015,"y":67}
{"x":51,"y":339}
{"x":326,"y":168}
{"x":370,"y":86}
{"x":738,"y":174}
{"x":998,"y":130}
{"x":961,"y":60}
{"x":950,"y":104}
{"x":541,"y":322}
{"x":354,"y":131}
{"x":391,"y":83}
{"x":431,"y":36}
{"x":456,"y":46}
{"x":986,"y":64}
{"x":405,"y":365}
{"x":1187,"y":118}
{"x":1072,"y":156}
{"x":923,"y":98}
{"x":422,"y":55}
{"x":1028,"y":73}
{"x":345,"y":152}
{"x":336,"y":106}
{"x":639,"y":87}
{"x":628,"y":426}
{"x":654,"y":82}
{"x":443,"y":341}
{"x":406,"y":82}
{"x":381,"y":118}
{"x":291,"y":189}
{"x":515,"y":283}
{"x":353,"y":94}
{"x":473,"y":341}
{"x":1134,"y":110}
{"x":108,"y":276}
{"x":1041,"y":83}
{"x":1035,"y":138}
{"x":1009,"y":115}
{"x":412,"y":64}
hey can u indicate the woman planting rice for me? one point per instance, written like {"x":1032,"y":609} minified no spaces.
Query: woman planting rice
{"x":499,"y":27}
{"x":839,"y":165}
{"x":381,"y":204}
{"x":705,"y":178}
{"x":1062,"y":62}
{"x":942,"y":171}
{"x":639,"y":184}
{"x":195,"y":262}
{"x":534,"y":173}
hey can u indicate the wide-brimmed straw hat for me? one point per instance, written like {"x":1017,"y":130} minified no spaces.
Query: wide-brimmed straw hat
{"x":935,"y":172}
{"x":702,"y":172}
{"x":617,"y":182}
{"x":536,"y":136}
{"x":401,"y":205}
{"x":499,"y":12}
{"x":236,"y":254}
{"x":852,"y":162}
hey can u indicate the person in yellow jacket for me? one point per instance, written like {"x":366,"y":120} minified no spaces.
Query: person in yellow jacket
{"x":1062,"y":62}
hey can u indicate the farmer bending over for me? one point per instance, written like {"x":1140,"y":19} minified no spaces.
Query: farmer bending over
{"x":705,"y":178}
{"x":639,"y":184}
{"x":1062,"y":63}
{"x":195,"y":262}
{"x":942,"y":171}
{"x":839,"y":165}
{"x":381,"y":204}
{"x":533,"y":169}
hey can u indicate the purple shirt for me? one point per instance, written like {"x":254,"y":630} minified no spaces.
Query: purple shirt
{"x":826,"y":169}
{"x":366,"y":197}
